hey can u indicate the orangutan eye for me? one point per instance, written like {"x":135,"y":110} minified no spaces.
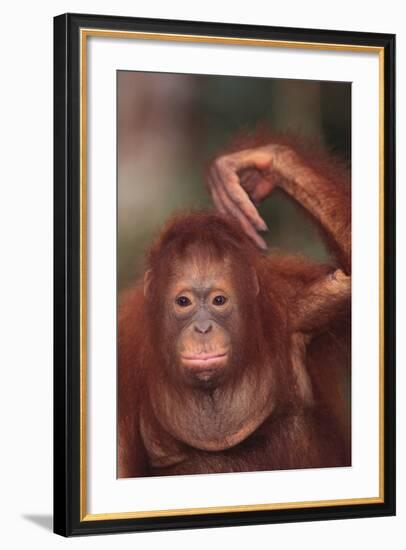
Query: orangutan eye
{"x":183,"y":301}
{"x":219,"y":300}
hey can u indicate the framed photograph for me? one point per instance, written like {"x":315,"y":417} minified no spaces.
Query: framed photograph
{"x":224,"y":251}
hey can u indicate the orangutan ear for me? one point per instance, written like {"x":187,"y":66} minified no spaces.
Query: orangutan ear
{"x":147,"y":281}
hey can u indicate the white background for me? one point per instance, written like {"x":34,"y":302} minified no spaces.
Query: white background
{"x":26,"y":274}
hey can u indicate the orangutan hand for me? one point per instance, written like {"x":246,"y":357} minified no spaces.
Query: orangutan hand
{"x":238,"y":182}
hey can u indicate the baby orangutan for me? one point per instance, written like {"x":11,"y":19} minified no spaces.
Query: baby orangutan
{"x":230,"y":359}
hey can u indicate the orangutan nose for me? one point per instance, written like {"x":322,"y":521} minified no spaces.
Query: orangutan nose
{"x":203,"y":327}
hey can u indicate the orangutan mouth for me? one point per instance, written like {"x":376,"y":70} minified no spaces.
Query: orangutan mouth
{"x":204,"y":360}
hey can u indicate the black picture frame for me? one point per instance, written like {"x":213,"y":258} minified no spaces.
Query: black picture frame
{"x":68,"y":519}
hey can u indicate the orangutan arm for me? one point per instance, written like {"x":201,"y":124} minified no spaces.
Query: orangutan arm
{"x":239,"y":180}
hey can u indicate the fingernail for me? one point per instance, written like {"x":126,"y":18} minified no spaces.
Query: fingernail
{"x":263,"y":226}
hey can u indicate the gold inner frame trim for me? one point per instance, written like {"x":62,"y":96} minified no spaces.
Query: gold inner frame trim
{"x":173,"y":37}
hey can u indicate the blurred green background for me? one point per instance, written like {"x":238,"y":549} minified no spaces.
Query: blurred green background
{"x":170,"y":125}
